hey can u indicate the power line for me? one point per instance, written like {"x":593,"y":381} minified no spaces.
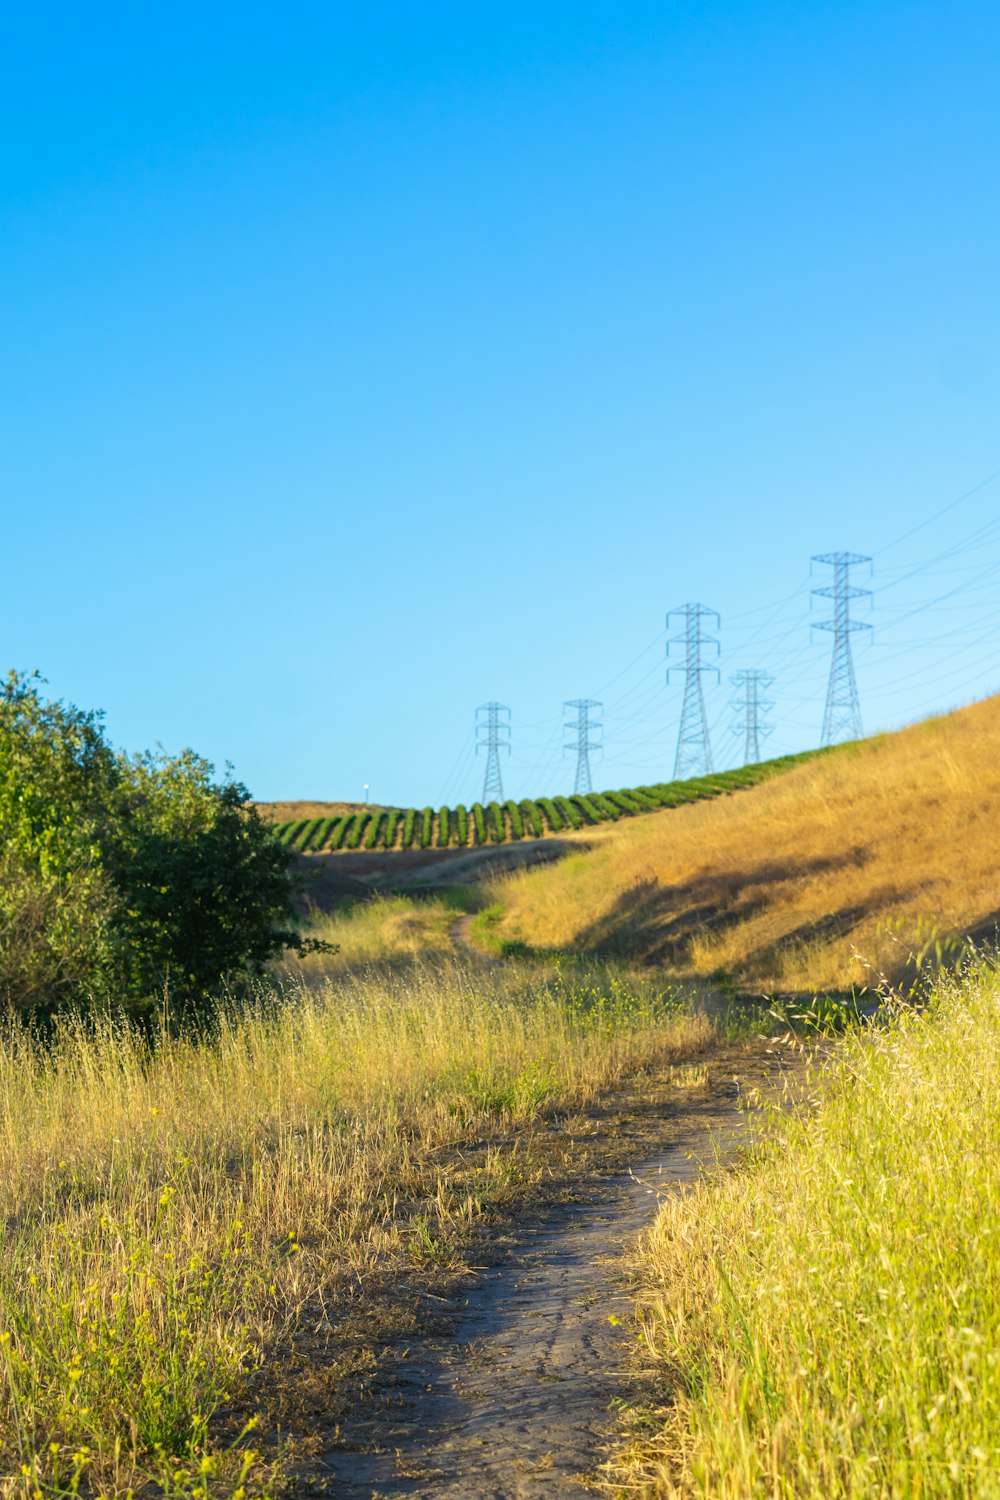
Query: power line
{"x":694,"y":750}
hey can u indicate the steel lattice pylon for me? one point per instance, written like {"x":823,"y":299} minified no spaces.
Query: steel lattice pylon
{"x":694,"y":751}
{"x":492,"y":735}
{"x":583,"y":727}
{"x":842,"y":715}
{"x":751,"y":705}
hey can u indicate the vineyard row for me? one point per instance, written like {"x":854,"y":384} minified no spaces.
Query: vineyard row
{"x":502,"y":823}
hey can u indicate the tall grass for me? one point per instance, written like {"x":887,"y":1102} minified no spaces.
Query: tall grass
{"x":826,"y":1323}
{"x":169,"y":1209}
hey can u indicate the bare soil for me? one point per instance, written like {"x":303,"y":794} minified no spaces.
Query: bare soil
{"x":501,"y":1383}
{"x":431,"y":869}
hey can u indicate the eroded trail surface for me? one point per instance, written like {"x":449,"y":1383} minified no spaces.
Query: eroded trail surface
{"x":518,"y":1400}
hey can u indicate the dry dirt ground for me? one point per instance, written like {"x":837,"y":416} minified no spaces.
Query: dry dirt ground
{"x":291,"y":812}
{"x":502,"y":1383}
{"x":430,"y":869}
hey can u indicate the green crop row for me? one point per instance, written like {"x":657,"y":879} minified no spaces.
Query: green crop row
{"x":411,"y":828}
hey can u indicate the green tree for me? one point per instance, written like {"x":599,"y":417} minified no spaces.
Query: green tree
{"x":123,"y":877}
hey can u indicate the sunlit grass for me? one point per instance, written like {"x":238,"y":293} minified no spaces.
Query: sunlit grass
{"x":168,"y":1211}
{"x":826,"y":1322}
{"x":815,"y":879}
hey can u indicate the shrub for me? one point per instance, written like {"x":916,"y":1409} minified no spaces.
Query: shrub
{"x":569,"y":812}
{"x":339,"y":831}
{"x":461,"y":826}
{"x":375,"y":828}
{"x":130,"y":876}
{"x":533,"y":818}
{"x":359,"y":823}
{"x":553,"y":816}
{"x":479,"y":822}
{"x":514,"y":819}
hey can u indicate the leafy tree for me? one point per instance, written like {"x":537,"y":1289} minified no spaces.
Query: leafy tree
{"x":126,"y":877}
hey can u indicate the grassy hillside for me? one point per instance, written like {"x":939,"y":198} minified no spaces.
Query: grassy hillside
{"x":315,"y":828}
{"x":824,"y":1323}
{"x":178,"y":1214}
{"x":857,"y":858}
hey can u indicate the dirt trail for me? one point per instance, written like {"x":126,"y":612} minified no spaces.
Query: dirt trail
{"x":516,"y":1402}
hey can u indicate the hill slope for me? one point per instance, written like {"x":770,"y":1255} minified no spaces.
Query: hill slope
{"x":843,"y":864}
{"x":322,"y":828}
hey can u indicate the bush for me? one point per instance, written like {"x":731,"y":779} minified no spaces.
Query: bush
{"x":553,"y":816}
{"x":339,"y":831}
{"x":461,"y":825}
{"x":533,"y":818}
{"x":126,"y":876}
{"x":375,"y":829}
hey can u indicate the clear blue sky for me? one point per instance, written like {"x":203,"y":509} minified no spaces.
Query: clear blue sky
{"x":361,"y":363}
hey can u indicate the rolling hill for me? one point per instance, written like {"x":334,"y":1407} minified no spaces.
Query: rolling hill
{"x":873,"y":859}
{"x":326,"y":828}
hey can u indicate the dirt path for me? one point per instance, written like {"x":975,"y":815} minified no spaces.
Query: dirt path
{"x":460,"y":935}
{"x":516,"y":1402}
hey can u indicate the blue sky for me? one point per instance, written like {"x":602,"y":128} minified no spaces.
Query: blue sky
{"x":363,"y":363}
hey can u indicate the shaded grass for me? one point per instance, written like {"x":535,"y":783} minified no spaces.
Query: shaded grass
{"x":825,"y":1322}
{"x":171,"y":1211}
{"x":837,"y":868}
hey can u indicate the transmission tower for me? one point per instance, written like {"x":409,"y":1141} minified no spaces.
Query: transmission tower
{"x":586,"y":723}
{"x":751,"y":705}
{"x":492,"y":735}
{"x":842,"y":717}
{"x":694,"y":752}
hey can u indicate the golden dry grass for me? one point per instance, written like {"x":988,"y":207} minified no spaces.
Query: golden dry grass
{"x":824,"y":1323}
{"x":168,"y":1211}
{"x":872,"y":850}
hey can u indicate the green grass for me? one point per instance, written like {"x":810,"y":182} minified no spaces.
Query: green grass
{"x":528,"y":819}
{"x":827,"y":1320}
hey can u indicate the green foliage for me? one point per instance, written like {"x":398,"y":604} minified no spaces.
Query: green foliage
{"x":376,"y":829}
{"x":128,"y":876}
{"x":359,"y":823}
{"x":553,"y":816}
{"x":569,"y":812}
{"x":533,"y":818}
{"x":338,"y":832}
{"x":495,"y":829}
{"x":203,"y":890}
{"x":515,"y":820}
{"x":322,"y":834}
{"x":308,"y":832}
